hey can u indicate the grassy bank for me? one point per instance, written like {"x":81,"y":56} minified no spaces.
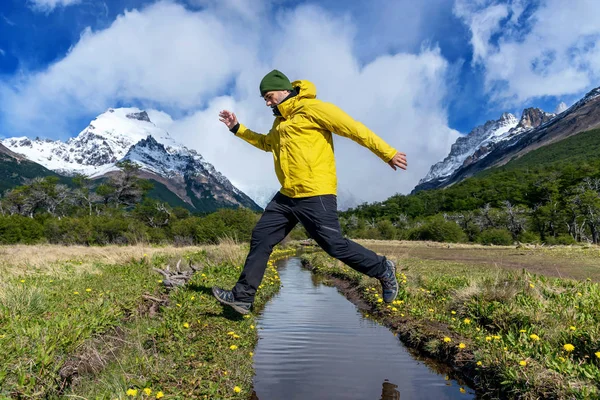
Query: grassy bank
{"x":97,"y":323}
{"x":512,"y":333}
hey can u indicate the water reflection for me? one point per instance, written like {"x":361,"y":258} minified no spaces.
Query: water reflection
{"x":388,"y":392}
{"x":314,"y":344}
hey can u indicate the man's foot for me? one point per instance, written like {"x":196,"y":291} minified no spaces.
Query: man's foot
{"x":389,"y":284}
{"x":226,"y":297}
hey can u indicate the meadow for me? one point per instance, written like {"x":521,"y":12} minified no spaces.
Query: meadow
{"x":97,"y":323}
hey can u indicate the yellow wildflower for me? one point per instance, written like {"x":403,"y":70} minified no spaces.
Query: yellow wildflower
{"x":251,"y":354}
{"x":479,"y":363}
{"x":186,"y":325}
{"x":236,"y":336}
{"x":569,"y":347}
{"x":131,"y":392}
{"x":237,"y":389}
{"x":452,"y":312}
{"x":75,"y":292}
{"x":533,"y":336}
{"x":231,"y":333}
{"x":522,"y":363}
{"x":447,"y":339}
{"x":193,"y":298}
{"x":579,"y":294}
{"x":467,"y":321}
{"x":597,"y":354}
{"x":522,"y":331}
{"x":233,"y":347}
{"x":572,"y":328}
{"x":462,"y":390}
{"x":22,"y":280}
{"x":147,"y":391}
{"x":531,"y":285}
{"x":88,"y":290}
{"x":160,"y":395}
{"x":462,"y":346}
{"x":431,"y":310}
{"x":380,"y":300}
{"x":178,"y":305}
{"x":488,"y":338}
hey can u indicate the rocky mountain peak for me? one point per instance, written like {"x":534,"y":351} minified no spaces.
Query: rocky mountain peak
{"x":533,"y":117}
{"x":140,"y":116}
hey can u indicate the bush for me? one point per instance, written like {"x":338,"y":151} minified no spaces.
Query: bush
{"x":20,"y":229}
{"x":528,"y":237}
{"x":498,"y":237}
{"x":564,"y":240}
{"x":438,"y":230}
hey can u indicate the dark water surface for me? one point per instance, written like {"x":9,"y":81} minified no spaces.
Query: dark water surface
{"x":315,"y":344}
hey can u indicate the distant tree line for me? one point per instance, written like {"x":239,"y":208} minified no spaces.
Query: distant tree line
{"x":114,"y":211}
{"x":551,"y":195}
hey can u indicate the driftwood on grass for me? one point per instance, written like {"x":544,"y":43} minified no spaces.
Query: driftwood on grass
{"x":176,"y":278}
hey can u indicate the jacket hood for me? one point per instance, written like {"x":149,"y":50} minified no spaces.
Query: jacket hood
{"x":306,"y":89}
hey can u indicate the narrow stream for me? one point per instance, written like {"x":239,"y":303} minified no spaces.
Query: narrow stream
{"x":315,"y":344}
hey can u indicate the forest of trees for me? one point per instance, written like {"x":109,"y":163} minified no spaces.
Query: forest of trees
{"x":114,"y":211}
{"x":550,"y":195}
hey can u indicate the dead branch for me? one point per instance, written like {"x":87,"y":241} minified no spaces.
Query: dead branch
{"x":177,"y":278}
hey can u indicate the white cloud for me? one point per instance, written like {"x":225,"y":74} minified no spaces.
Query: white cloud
{"x":195,"y":63}
{"x":49,"y":5}
{"x":555,"y":51}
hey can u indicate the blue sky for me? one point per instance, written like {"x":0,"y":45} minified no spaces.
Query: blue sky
{"x":417,"y":73}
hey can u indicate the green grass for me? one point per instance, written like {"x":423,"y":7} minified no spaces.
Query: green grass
{"x":493,"y":313}
{"x":93,"y":335}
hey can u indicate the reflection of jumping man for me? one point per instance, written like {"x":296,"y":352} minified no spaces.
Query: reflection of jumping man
{"x":389,"y":392}
{"x":302,"y":147}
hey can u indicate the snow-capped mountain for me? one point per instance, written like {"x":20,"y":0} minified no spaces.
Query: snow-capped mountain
{"x":535,"y":129}
{"x":466,"y":146}
{"x":482,"y":140}
{"x":128,"y":134}
{"x":97,"y":148}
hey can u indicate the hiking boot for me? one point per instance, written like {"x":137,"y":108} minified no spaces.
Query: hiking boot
{"x":389,"y":284}
{"x":226,"y":297}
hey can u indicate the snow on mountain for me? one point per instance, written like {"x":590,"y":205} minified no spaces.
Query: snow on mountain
{"x":483,"y":139}
{"x":466,"y":146}
{"x":129,"y":134}
{"x":98,"y":147}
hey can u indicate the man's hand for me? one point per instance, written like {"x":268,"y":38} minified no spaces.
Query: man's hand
{"x":228,"y":118}
{"x":399,"y":160}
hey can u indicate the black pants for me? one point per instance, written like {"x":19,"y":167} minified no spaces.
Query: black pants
{"x":318,"y":214}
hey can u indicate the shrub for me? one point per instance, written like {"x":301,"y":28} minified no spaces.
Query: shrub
{"x":528,"y":237}
{"x":438,"y":230}
{"x":495,"y":236}
{"x":20,"y":229}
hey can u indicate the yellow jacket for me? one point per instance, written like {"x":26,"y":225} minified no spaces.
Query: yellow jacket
{"x":302,"y":145}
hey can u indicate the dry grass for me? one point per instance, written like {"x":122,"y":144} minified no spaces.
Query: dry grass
{"x":62,"y":260}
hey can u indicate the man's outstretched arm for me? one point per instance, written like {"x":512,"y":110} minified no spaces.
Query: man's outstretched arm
{"x":337,"y":121}
{"x":258,"y":140}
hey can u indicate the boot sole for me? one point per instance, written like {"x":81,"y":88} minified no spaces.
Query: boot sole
{"x":237,"y":308}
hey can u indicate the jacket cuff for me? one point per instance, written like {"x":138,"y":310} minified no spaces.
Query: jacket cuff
{"x":235,"y":129}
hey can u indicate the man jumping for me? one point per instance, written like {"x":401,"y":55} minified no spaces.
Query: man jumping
{"x":302,"y":147}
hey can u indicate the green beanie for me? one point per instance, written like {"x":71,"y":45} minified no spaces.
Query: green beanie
{"x":274,"y":80}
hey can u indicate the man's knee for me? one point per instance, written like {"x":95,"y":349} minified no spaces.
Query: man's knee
{"x":336,"y":246}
